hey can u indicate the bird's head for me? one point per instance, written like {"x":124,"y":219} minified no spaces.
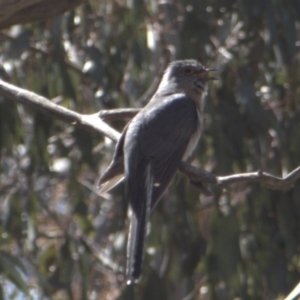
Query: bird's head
{"x":188,"y":76}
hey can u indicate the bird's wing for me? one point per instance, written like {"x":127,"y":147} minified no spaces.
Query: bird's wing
{"x":155,"y":142}
{"x":115,"y":174}
{"x":167,"y":126}
{"x":115,"y":171}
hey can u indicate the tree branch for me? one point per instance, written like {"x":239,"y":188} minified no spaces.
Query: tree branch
{"x":198,"y":175}
{"x":95,"y":123}
{"x":88,"y":122}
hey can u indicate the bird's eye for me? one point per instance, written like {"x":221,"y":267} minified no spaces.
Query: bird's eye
{"x":188,"y":71}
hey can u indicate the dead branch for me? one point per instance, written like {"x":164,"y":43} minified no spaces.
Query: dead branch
{"x":271,"y":181}
{"x":95,"y":123}
{"x":88,"y":122}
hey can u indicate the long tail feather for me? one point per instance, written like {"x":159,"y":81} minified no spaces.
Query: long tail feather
{"x":137,"y":231}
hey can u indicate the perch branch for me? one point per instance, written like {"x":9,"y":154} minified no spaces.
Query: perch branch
{"x":88,"y":122}
{"x":271,"y":181}
{"x":95,"y":123}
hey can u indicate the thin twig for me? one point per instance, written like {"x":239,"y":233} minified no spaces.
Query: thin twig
{"x":272,"y":182}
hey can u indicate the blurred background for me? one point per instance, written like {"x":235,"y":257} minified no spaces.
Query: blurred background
{"x":59,"y":239}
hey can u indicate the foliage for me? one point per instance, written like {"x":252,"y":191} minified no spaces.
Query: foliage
{"x":62,"y":241}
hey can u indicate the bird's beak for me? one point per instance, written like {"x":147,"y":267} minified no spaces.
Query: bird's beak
{"x":211,"y":77}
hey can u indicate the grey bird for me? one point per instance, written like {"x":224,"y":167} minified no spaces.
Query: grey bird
{"x":152,"y":145}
